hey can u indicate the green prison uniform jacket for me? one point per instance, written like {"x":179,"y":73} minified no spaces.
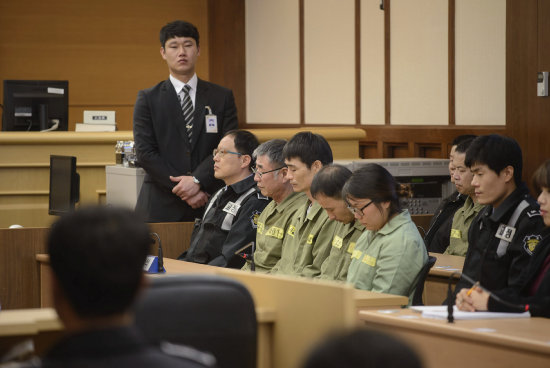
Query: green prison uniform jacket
{"x":307,"y":243}
{"x":389,"y":260}
{"x":335,"y":267}
{"x":464,"y":216}
{"x":272,"y":226}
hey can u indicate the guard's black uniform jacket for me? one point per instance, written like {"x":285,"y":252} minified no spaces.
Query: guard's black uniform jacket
{"x":439,"y":233}
{"x":122,"y":347}
{"x":498,"y":251}
{"x":539,"y":302}
{"x":228,"y":224}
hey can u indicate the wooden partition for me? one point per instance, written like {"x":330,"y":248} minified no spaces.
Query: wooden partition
{"x":25,"y":158}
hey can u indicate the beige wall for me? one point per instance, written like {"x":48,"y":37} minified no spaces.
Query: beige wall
{"x":419,"y":61}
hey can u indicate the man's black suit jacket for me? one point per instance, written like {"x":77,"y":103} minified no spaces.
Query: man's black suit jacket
{"x":163,"y":148}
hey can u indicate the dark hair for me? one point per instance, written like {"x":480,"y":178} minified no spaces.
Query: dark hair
{"x":463,"y":146}
{"x":308,"y":147}
{"x":362,"y":348}
{"x":245,"y":143}
{"x":461,"y":138}
{"x":497,"y":152}
{"x":376,"y":183}
{"x":330,"y":180}
{"x":541,"y":177}
{"x":273,"y":149}
{"x":178,"y":28}
{"x":97,"y":255}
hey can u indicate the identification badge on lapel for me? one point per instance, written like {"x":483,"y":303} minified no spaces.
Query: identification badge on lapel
{"x":211,"y":121}
{"x":231,"y":208}
{"x":505,"y":232}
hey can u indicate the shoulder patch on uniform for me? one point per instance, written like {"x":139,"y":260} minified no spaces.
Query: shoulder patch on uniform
{"x":533,"y":213}
{"x":254,"y":218}
{"x":188,"y":353}
{"x":530,"y":243}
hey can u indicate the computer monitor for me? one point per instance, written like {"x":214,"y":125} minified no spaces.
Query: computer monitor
{"x":35,"y":105}
{"x":64,"y":185}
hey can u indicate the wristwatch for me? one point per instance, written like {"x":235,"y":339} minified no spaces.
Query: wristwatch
{"x":196,"y":181}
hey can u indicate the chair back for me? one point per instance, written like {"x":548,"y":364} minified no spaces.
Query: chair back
{"x":208,"y":312}
{"x":417,"y":297}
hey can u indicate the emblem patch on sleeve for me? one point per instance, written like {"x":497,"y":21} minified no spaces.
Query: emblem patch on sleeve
{"x":530,"y":243}
{"x":254,"y":219}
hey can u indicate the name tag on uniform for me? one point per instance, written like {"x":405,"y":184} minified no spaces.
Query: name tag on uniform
{"x":211,"y":121}
{"x":505,"y":232}
{"x":456,"y":234}
{"x":337,"y":242}
{"x":231,"y":208}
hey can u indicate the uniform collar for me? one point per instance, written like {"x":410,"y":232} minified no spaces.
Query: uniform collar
{"x":402,"y":218}
{"x":294,"y":196}
{"x":243,"y":185}
{"x":509,"y":203}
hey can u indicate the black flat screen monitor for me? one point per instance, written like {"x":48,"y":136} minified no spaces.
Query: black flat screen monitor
{"x":34,"y":105}
{"x":64,"y":185}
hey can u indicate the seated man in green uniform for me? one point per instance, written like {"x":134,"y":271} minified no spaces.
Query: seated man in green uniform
{"x":270,"y":175}
{"x":463,"y":217}
{"x":310,"y":233}
{"x":326,"y":188}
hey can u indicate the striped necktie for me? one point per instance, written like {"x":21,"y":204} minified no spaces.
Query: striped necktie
{"x":187,"y":109}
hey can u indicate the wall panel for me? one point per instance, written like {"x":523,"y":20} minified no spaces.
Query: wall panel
{"x":480,"y":67}
{"x":419,"y":67}
{"x":329,"y":48}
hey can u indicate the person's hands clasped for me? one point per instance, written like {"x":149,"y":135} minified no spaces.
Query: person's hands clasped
{"x":473,"y":299}
{"x":186,"y":187}
{"x":198,"y":200}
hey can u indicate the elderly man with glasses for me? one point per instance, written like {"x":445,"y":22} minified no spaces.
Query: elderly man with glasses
{"x":271,"y":175}
{"x":231,"y":216}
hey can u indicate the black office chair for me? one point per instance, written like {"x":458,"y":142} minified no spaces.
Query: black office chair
{"x":417,"y":297}
{"x":210,"y":313}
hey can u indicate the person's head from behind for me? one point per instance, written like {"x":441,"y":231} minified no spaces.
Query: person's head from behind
{"x":233,"y":159}
{"x":326,"y":188}
{"x":372,"y":194}
{"x":270,"y":171}
{"x":462,"y":174}
{"x":362,"y":349}
{"x":305,"y":154}
{"x":179,"y":46}
{"x":97,"y":256}
{"x":456,"y":141}
{"x":541,"y":183}
{"x":496,"y":163}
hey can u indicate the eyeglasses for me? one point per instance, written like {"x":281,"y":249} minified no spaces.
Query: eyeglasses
{"x":222,"y":152}
{"x":358,"y":211}
{"x":260,"y":174}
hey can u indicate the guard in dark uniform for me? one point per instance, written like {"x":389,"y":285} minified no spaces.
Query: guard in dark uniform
{"x":231,"y":216}
{"x":504,"y":235}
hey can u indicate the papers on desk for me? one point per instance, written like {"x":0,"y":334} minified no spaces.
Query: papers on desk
{"x":440,"y":312}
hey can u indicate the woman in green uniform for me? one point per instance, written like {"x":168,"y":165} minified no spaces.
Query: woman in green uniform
{"x":389,"y":255}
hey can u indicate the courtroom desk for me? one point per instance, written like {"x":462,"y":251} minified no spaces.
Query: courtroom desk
{"x":304,"y":310}
{"x":518,"y":342}
{"x":437,"y":281}
{"x":44,"y":328}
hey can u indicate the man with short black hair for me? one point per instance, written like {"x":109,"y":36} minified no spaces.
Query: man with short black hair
{"x":271,"y":175}
{"x":311,"y":231}
{"x":177,"y":124}
{"x":230,"y":220}
{"x":326,"y":188}
{"x":97,"y":256}
{"x":504,"y":235}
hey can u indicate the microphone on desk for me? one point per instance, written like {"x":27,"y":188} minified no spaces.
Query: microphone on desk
{"x":450,"y":298}
{"x":155,"y":264}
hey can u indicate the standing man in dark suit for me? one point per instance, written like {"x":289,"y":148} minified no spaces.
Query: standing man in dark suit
{"x":177,"y":125}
